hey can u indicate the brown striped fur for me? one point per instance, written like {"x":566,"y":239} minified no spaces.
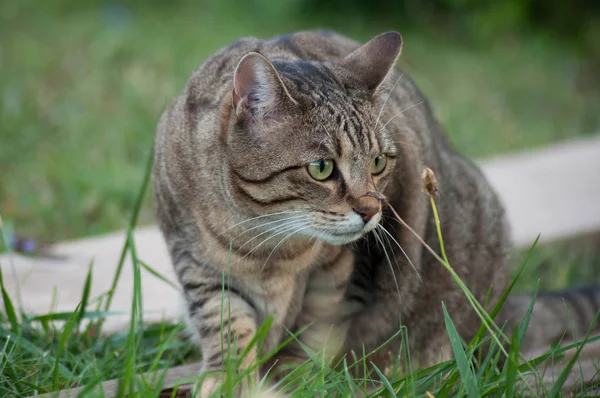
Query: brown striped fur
{"x":236,"y":203}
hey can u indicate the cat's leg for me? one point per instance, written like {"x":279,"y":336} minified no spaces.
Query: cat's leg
{"x":321,"y":309}
{"x":225,"y":316}
{"x":323,"y":302}
{"x":428,"y":343}
{"x":368,"y":330}
{"x":367,"y":327}
{"x":224,"y":322}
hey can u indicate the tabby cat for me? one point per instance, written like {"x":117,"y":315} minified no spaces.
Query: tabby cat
{"x":270,"y":172}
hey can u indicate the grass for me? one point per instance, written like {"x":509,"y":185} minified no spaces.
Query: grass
{"x":82,"y":87}
{"x":49,"y":352}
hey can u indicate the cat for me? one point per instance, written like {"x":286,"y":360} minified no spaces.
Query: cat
{"x":272,"y":173}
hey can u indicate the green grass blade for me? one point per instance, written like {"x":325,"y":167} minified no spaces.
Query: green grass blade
{"x":159,"y":276}
{"x":89,"y":387}
{"x":409,"y":365}
{"x":555,"y":392}
{"x":386,"y":383}
{"x":424,"y":374}
{"x":64,"y":316}
{"x":525,"y":322}
{"x":163,"y":347}
{"x":487,"y":361}
{"x":132,"y":223}
{"x":449,"y":383}
{"x":129,"y":378}
{"x":9,"y":307}
{"x":466,"y":372}
{"x":502,"y":300}
{"x":512,"y":364}
{"x":553,"y":353}
{"x":66,"y":334}
{"x":7,"y":230}
{"x":347,"y":377}
{"x":26,"y":345}
{"x":85,"y":295}
{"x":362,"y":359}
{"x":127,"y":382}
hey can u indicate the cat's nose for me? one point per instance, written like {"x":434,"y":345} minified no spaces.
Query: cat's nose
{"x":367,"y":207}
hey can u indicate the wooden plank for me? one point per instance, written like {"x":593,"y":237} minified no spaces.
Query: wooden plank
{"x":583,"y":373}
{"x":110,"y":387}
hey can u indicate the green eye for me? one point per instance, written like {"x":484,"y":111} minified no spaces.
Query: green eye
{"x":321,"y":169}
{"x":379,"y":164}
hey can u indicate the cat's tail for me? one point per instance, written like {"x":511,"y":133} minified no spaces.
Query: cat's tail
{"x":557,"y":316}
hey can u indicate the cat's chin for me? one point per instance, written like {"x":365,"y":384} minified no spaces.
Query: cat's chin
{"x":353,"y":230}
{"x":340,"y":240}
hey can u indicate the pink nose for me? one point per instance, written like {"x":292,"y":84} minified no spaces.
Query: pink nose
{"x":367,"y":207}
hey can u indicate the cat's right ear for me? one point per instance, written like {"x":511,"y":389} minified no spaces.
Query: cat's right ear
{"x":257,"y":88}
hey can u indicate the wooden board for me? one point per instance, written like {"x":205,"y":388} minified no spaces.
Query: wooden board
{"x":110,"y":387}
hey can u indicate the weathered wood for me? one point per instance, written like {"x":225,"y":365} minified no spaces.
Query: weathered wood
{"x":110,"y":387}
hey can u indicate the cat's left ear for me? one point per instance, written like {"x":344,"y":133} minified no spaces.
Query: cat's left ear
{"x":371,"y":62}
{"x":257,"y":87}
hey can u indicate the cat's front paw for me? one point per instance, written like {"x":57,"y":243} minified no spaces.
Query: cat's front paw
{"x":211,"y":385}
{"x":208,"y":387}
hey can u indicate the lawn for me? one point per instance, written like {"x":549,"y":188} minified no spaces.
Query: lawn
{"x":82,"y":86}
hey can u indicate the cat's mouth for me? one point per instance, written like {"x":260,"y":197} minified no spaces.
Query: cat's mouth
{"x":348,"y":234}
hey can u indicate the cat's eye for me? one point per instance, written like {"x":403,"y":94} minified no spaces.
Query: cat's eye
{"x":321,"y":169}
{"x":379,"y":164}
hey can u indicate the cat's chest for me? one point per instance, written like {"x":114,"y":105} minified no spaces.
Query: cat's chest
{"x":280,"y":297}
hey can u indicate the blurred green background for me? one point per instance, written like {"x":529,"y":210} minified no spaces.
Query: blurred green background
{"x":82,"y":84}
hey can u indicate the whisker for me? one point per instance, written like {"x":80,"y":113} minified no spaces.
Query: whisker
{"x":281,"y":230}
{"x":285,"y":229}
{"x":281,"y":242}
{"x":387,"y":98}
{"x":387,"y":240}
{"x":261,"y":216}
{"x":268,"y":223}
{"x":402,"y":111}
{"x":285,"y":224}
{"x":401,"y":249}
{"x":389,"y":262}
{"x":312,"y":249}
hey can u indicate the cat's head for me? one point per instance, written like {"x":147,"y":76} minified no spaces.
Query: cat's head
{"x":305,"y":140}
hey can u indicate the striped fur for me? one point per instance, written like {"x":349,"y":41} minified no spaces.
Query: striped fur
{"x":250,"y":231}
{"x":557,"y":316}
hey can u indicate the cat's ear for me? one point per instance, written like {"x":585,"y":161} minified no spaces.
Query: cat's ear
{"x":371,"y":62}
{"x":258,"y":88}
